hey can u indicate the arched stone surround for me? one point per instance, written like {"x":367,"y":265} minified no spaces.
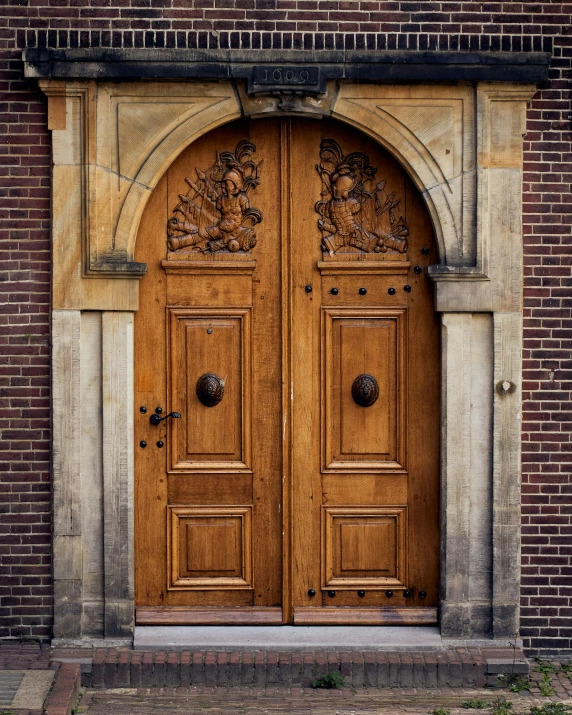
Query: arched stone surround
{"x":462,"y":145}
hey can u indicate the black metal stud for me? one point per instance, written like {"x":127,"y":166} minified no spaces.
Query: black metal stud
{"x":406,"y":593}
{"x":407,"y":289}
{"x":142,"y":444}
{"x":332,"y":594}
{"x":160,"y":444}
{"x":417,"y":269}
{"x":142,"y":410}
{"x":158,"y":410}
{"x":391,"y":291}
{"x":361,"y":594}
{"x":425,"y":251}
{"x":334,"y":291}
{"x":422,"y":594}
{"x":308,"y":288}
{"x":389,"y":594}
{"x":362,"y":291}
{"x":311,"y":592}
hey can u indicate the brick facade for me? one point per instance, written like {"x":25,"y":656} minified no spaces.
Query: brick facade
{"x":309,"y":24}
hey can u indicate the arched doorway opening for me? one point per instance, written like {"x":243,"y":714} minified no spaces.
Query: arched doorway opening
{"x":286,"y":316}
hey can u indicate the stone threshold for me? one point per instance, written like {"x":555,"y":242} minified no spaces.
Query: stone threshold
{"x":294,"y":638}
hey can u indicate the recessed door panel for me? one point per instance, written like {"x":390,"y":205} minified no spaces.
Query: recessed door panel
{"x":210,"y":387}
{"x":364,"y":547}
{"x":365,"y":388}
{"x":210,"y":548}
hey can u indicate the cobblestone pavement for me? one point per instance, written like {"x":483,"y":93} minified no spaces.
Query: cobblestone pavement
{"x":296,"y":701}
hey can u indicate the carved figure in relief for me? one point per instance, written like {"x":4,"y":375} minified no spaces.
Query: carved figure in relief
{"x":215,"y":214}
{"x":356,"y":212}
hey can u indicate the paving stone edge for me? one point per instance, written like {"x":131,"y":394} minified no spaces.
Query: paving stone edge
{"x":65,"y":690}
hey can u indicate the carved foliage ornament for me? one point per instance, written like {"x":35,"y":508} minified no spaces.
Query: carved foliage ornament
{"x":357,"y":213}
{"x":215,"y":214}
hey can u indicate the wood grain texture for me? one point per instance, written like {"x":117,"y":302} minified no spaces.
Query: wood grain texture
{"x":365,"y":616}
{"x":358,"y":341}
{"x":289,"y":443}
{"x":216,"y":341}
{"x":210,"y":547}
{"x":182,"y":616}
{"x":414,"y":382}
{"x":364,"y":547}
{"x":219,"y":314}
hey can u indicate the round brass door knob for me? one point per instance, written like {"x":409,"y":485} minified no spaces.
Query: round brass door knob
{"x":365,"y":390}
{"x":210,"y":389}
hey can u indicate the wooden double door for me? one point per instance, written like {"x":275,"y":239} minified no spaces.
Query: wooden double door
{"x":287,"y":320}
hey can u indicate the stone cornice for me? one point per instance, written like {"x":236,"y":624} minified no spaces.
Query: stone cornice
{"x":364,"y":66}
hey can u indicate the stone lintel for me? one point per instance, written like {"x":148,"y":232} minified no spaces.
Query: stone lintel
{"x":374,"y":66}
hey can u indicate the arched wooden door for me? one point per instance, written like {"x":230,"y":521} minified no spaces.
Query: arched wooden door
{"x":287,"y":318}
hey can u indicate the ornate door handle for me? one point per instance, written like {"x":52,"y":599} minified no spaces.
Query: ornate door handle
{"x":210,"y":389}
{"x":365,"y":390}
{"x":156,"y":419}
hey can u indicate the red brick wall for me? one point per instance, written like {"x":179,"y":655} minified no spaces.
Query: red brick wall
{"x":310,"y":24}
{"x":546,"y":595}
{"x":25,"y":525}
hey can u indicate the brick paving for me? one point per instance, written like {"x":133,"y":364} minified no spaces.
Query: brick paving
{"x":22,"y":657}
{"x":407,"y":682}
{"x":16,"y":655}
{"x":296,"y":701}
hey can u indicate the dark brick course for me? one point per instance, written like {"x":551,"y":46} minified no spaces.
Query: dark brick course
{"x":25,"y":583}
{"x":466,"y":667}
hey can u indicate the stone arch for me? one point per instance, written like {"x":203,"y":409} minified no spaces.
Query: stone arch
{"x":439,"y":163}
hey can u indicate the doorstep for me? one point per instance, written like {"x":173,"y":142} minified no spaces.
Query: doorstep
{"x":289,"y":638}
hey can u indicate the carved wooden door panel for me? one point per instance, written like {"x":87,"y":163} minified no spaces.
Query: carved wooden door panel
{"x":286,"y":316}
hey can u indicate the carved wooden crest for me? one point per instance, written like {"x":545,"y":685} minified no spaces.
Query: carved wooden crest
{"x":357,"y":213}
{"x":215,"y":214}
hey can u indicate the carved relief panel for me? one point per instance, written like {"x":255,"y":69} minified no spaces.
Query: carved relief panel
{"x":358,"y":213}
{"x":215,"y":213}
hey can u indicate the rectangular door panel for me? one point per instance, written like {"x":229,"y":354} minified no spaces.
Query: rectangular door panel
{"x":210,"y":548}
{"x":364,"y":547}
{"x":215,"y":343}
{"x":364,"y":349}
